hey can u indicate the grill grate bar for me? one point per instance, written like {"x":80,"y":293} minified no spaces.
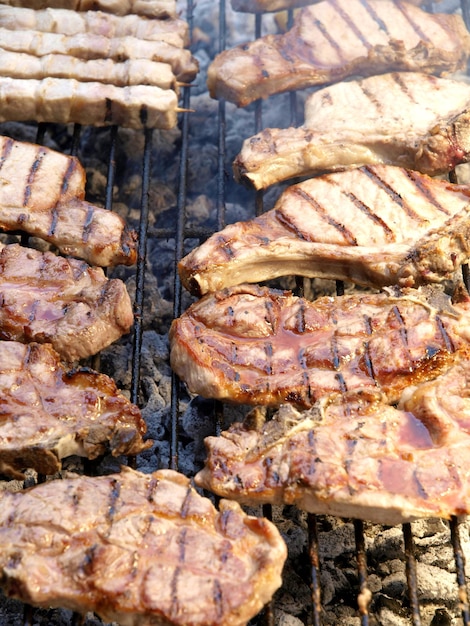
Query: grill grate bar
{"x":460,"y":567}
{"x":411,"y":574}
{"x":364,"y":596}
{"x":314,"y":557}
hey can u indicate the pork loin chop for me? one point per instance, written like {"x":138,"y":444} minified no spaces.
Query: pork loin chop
{"x":353,"y":455}
{"x":151,"y":8}
{"x":376,"y":225}
{"x":269,"y":6}
{"x":407,"y":119}
{"x":254,"y":345}
{"x":42,"y":193}
{"x":138,"y":549}
{"x":62,"y":301}
{"x":49,"y":413}
{"x":334,"y":39}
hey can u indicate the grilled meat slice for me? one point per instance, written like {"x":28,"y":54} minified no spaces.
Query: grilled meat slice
{"x":108,"y":71}
{"x":353,"y":455}
{"x":270,"y":6}
{"x":65,"y":302}
{"x":334,"y":39}
{"x":254,"y":345}
{"x":88,"y":46}
{"x":150,"y":8}
{"x":41,"y":193}
{"x":138,"y":549}
{"x":67,"y":101}
{"x":376,"y":225}
{"x":49,"y":413}
{"x":65,"y":22}
{"x":407,"y":119}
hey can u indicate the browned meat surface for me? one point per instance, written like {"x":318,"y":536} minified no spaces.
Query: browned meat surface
{"x":49,"y":413}
{"x":88,"y":46}
{"x":139,"y":549}
{"x":150,"y":8}
{"x":269,"y":6}
{"x":407,"y":119}
{"x":254,"y":345}
{"x":41,"y":193}
{"x":65,"y":302}
{"x":376,"y":225}
{"x":67,"y":101}
{"x":66,"y":22}
{"x":334,"y":39}
{"x":354,"y":456}
{"x":108,"y":71}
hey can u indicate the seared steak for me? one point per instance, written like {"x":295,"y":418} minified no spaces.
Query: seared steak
{"x":138,"y":549}
{"x":50,"y":299}
{"x":88,"y":46}
{"x":376,"y":225}
{"x":42,"y":193}
{"x":408,"y":119}
{"x":353,"y":455}
{"x":254,"y":345}
{"x":49,"y":413}
{"x":334,"y":39}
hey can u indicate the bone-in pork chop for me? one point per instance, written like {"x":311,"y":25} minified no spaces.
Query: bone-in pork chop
{"x":254,"y":345}
{"x":49,"y":413}
{"x":376,"y":225}
{"x":42,"y":193}
{"x":138,"y":549}
{"x":334,"y":39}
{"x":407,"y":119}
{"x":62,"y":301}
{"x":353,"y":455}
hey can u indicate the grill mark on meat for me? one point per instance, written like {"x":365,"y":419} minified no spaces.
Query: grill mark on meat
{"x":449,"y":344}
{"x":174,"y":610}
{"x":336,"y":359}
{"x":425,"y":190}
{"x":225,"y":246}
{"x":31,"y":174}
{"x":325,"y":31}
{"x":381,"y":24}
{"x":54,"y":220}
{"x":367,"y":355}
{"x":394,"y":195}
{"x":108,"y":115}
{"x":352,"y":25}
{"x":390,"y":235}
{"x":185,"y":505}
{"x":113,"y":498}
{"x":218,"y":598}
{"x":71,"y":168}
{"x":371,"y":97}
{"x":323,"y":213}
{"x":305,"y":373}
{"x":403,"y":330}
{"x":7,"y":148}
{"x":151,"y":489}
{"x":403,"y":9}
{"x":87,"y":224}
{"x":398,"y":79}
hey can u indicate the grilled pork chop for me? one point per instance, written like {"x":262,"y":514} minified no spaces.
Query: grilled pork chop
{"x":49,"y":413}
{"x":334,"y":39}
{"x":376,"y":225}
{"x":62,"y":301}
{"x":66,"y":22}
{"x":42,"y":193}
{"x":151,"y":8}
{"x":353,"y":455}
{"x":139,"y":549}
{"x":407,"y":119}
{"x":269,"y":6}
{"x":88,"y":46}
{"x":254,"y":345}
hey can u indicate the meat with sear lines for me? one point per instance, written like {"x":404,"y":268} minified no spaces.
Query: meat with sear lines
{"x":334,"y":39}
{"x":50,"y":299}
{"x":375,"y":225}
{"x":49,"y":412}
{"x":42,"y":193}
{"x":408,"y":119}
{"x":353,"y":455}
{"x":255,"y":345}
{"x":138,"y":549}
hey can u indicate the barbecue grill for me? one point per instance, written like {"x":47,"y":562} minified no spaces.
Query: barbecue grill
{"x":177,"y":188}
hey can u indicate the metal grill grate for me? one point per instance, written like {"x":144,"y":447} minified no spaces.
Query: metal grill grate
{"x":180,"y":231}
